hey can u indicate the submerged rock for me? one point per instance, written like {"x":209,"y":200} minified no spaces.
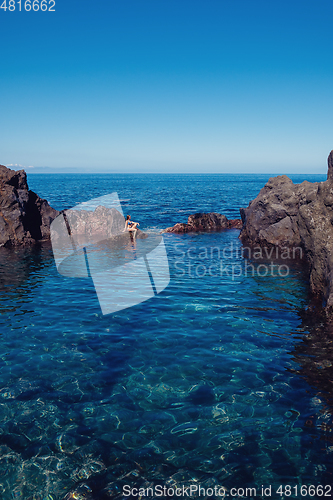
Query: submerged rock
{"x":205,"y":222}
{"x":24,"y":217}
{"x":299,"y":217}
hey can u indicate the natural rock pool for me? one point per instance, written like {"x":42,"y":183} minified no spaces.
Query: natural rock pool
{"x":216,"y":381}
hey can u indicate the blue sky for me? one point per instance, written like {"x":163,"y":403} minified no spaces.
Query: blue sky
{"x":168,"y":86}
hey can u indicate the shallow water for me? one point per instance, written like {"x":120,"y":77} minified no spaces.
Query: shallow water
{"x":216,"y":381}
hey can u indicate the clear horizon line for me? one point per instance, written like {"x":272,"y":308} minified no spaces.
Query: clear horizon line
{"x":172,"y":173}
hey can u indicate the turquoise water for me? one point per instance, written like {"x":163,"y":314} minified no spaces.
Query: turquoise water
{"x":215,"y":381}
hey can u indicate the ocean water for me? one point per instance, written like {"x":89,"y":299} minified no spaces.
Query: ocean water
{"x":217,"y":381}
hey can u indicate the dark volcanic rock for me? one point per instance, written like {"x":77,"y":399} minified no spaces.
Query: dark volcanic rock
{"x":330,"y":166}
{"x":298,"y":216}
{"x":205,"y":222}
{"x":24,"y":217}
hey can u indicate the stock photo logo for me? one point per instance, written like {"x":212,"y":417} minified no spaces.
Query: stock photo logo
{"x":92,"y":240}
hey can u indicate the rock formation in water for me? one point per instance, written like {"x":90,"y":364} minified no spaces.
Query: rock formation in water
{"x":80,"y":228}
{"x":289,"y":215}
{"x":330,"y":166}
{"x":24,"y":217}
{"x":205,"y":222}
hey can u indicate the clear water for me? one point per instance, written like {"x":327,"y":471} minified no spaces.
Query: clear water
{"x":216,"y":381}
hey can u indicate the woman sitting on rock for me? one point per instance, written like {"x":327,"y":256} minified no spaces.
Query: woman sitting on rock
{"x":131,"y":226}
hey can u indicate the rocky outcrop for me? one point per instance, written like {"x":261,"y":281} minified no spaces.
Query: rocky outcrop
{"x":80,"y":228}
{"x":24,"y":217}
{"x":205,"y":222}
{"x":330,"y":166}
{"x":298,"y":216}
{"x":97,"y":237}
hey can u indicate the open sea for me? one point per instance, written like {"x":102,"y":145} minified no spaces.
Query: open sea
{"x":215,"y":382}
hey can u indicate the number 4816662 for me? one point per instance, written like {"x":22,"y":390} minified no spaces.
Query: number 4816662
{"x":27,"y":5}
